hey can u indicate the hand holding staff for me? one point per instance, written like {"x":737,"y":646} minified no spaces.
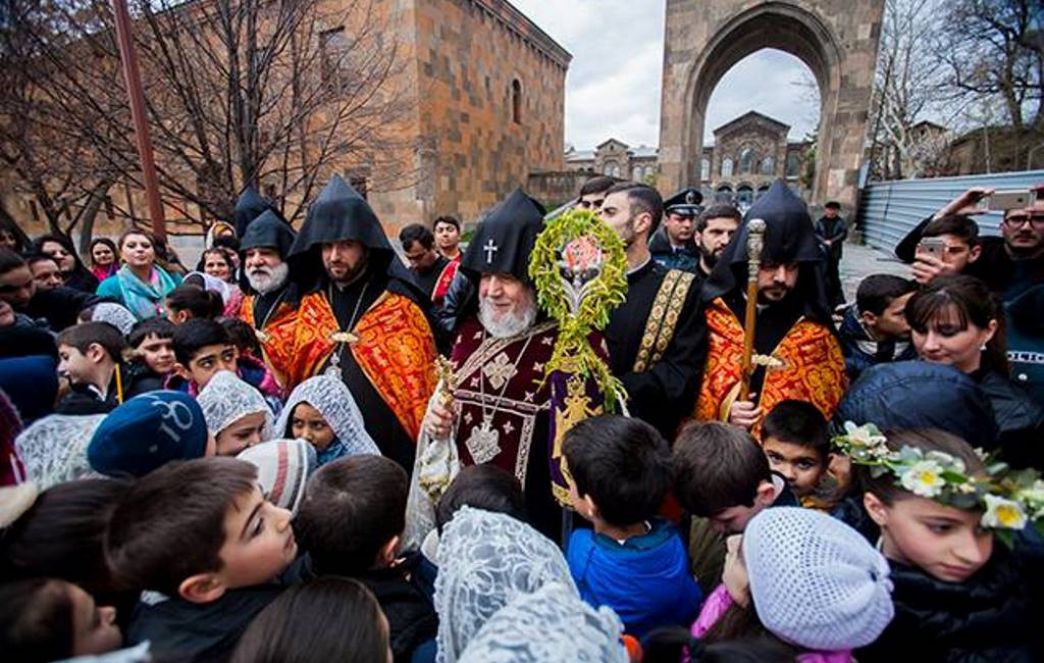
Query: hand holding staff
{"x":755,"y":243}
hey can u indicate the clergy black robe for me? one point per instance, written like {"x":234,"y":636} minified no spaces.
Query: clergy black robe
{"x":665,"y":392}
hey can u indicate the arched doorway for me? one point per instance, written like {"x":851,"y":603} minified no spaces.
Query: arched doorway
{"x":837,"y":39}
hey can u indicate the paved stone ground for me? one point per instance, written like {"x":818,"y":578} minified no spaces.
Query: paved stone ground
{"x":859,"y":261}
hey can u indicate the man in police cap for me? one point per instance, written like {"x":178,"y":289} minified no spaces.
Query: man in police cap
{"x":674,"y":244}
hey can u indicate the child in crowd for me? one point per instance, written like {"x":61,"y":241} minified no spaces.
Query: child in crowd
{"x":807,"y":579}
{"x":44,"y":620}
{"x":187,"y":301}
{"x":326,"y":619}
{"x":89,"y":356}
{"x":60,"y":534}
{"x":350,"y":522}
{"x":283,"y":469}
{"x":152,"y":345}
{"x":631,"y":561}
{"x":874,"y":330}
{"x":797,"y":445}
{"x":959,"y":594}
{"x":110,"y":312}
{"x":149,"y":431}
{"x":722,"y":479}
{"x":202,"y":347}
{"x":208,"y":548}
{"x":237,"y":414}
{"x":244,"y":337}
{"x":322,"y":411}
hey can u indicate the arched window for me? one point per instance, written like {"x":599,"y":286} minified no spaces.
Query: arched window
{"x":611,"y":168}
{"x":614,"y":170}
{"x":768,"y":166}
{"x":744,"y":195}
{"x":723,"y":194}
{"x":704,"y":170}
{"x":746,"y":161}
{"x":516,"y":101}
{"x":636,"y":173}
{"x":726,"y":167}
{"x":793,"y":164}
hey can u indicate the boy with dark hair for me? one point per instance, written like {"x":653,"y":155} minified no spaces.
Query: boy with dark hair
{"x":152,"y":343}
{"x":89,"y":356}
{"x":796,"y":442}
{"x":350,"y":521}
{"x":960,"y":238}
{"x":203,"y":347}
{"x":874,"y":330}
{"x":484,"y":486}
{"x":722,"y":479}
{"x":631,"y":561}
{"x":206,"y":546}
{"x":593,"y":191}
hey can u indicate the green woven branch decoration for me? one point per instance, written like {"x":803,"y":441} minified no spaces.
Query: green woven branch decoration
{"x":579,"y":267}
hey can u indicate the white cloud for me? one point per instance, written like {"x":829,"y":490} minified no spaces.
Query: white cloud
{"x":614,"y":80}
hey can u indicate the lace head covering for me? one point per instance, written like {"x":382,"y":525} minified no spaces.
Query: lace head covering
{"x":335,"y":402}
{"x":489,"y":559}
{"x":227,"y":399}
{"x":551,"y":625}
{"x":54,"y":449}
{"x":114,"y":314}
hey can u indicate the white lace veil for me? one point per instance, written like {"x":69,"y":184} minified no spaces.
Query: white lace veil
{"x":488,"y":559}
{"x":114,"y":314}
{"x":226,"y":399}
{"x":337,"y":405}
{"x":54,"y":449}
{"x":551,"y":625}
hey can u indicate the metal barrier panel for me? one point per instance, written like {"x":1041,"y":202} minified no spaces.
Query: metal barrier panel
{"x":889,"y":210}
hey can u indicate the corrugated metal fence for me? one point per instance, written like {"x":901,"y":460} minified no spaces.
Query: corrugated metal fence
{"x":888,"y":210}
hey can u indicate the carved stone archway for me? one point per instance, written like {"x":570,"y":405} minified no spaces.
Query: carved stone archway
{"x":837,"y":39}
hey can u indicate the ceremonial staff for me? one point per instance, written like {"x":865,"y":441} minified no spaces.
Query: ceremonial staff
{"x":755,"y":243}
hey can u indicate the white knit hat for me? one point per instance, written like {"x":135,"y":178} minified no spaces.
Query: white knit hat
{"x":283,"y":468}
{"x":816,"y":582}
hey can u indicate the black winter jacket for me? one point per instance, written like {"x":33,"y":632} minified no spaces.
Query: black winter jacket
{"x":996,"y":615}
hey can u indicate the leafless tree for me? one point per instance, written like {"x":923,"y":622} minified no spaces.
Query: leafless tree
{"x":277,"y":94}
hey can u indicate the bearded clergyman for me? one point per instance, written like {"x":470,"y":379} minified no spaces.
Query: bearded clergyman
{"x":270,"y":306}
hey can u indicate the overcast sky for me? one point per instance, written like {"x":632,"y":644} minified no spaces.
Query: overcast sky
{"x":613,"y":85}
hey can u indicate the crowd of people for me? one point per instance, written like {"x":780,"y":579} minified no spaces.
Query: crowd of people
{"x":320,"y":445}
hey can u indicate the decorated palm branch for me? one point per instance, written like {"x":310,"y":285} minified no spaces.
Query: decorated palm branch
{"x":579,"y":268}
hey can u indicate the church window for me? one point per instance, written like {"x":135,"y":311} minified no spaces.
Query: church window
{"x":516,"y":101}
{"x":768,"y":166}
{"x":793,"y":164}
{"x":636,"y":173}
{"x":746,"y":161}
{"x":333,"y":47}
{"x":704,"y":169}
{"x":726,"y":167}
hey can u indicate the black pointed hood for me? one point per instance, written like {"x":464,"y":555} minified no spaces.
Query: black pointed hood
{"x":338,"y":214}
{"x":268,"y":231}
{"x":249,"y":206}
{"x":504,"y":240}
{"x":789,"y":238}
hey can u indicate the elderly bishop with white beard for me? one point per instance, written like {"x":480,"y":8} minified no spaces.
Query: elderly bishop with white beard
{"x":270,"y":308}
{"x":501,"y":405}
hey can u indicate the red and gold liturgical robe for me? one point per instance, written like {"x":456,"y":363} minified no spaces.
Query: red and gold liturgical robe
{"x":807,"y":365}
{"x":276,"y":337}
{"x":392,"y":343}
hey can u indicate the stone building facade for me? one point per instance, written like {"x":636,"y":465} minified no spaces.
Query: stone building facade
{"x":748,"y":154}
{"x":485,"y":89}
{"x":616,"y":158}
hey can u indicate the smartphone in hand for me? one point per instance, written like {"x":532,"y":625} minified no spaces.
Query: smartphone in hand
{"x":1006,"y":200}
{"x":933,"y":246}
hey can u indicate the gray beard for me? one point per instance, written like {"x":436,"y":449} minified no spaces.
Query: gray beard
{"x":510,"y":324}
{"x":274,"y":279}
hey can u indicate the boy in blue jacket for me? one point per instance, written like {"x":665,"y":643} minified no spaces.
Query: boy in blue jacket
{"x":631,"y":560}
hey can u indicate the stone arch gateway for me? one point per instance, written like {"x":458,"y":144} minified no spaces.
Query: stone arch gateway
{"x":837,"y":39}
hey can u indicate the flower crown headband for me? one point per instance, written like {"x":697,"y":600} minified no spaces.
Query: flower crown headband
{"x":1011,"y":500}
